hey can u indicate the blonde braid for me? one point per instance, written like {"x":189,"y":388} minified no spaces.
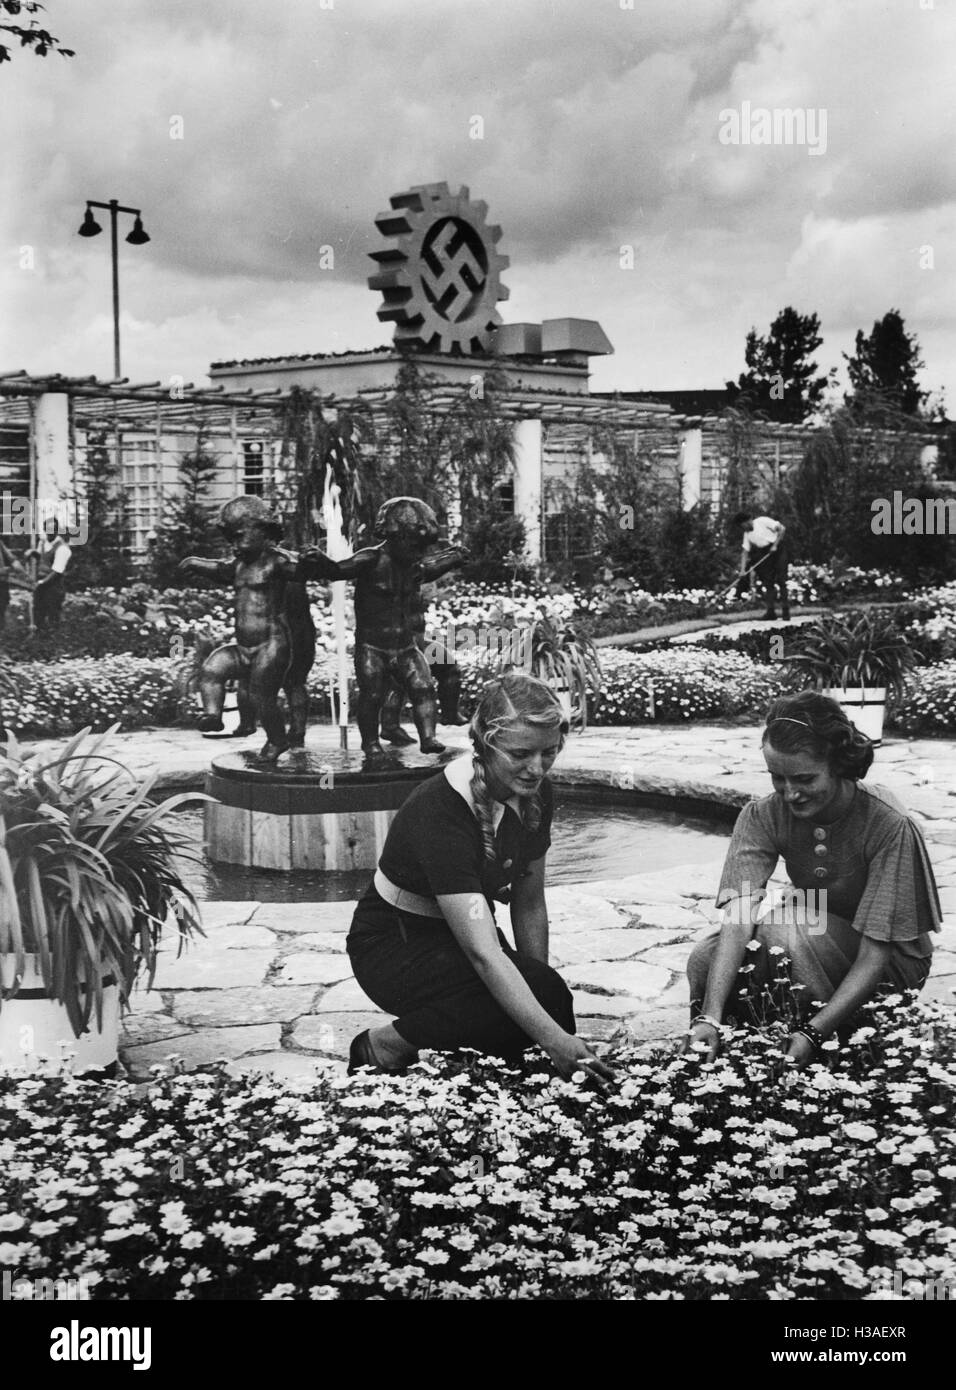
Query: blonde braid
{"x":508,"y":700}
{"x":483,"y":806}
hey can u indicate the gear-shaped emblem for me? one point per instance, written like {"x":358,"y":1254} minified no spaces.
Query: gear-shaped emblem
{"x":441,"y":279}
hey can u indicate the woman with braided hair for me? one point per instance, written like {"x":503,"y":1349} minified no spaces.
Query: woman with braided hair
{"x":865,"y":899}
{"x":424,"y":944}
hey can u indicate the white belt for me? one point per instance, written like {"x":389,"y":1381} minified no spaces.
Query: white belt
{"x":404,"y":900}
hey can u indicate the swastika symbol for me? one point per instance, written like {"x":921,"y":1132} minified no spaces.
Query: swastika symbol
{"x":453,"y":268}
{"x":441,"y":278}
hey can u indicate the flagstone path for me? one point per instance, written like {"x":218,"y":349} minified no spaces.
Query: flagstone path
{"x":270,"y":986}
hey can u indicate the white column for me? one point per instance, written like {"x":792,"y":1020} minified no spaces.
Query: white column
{"x":528,"y":484}
{"x":928,"y":458}
{"x":54,"y":471}
{"x":690,"y":467}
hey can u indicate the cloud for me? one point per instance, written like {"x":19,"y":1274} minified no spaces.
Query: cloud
{"x":600,"y":128}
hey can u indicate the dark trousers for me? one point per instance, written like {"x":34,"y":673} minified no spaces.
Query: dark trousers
{"x":768,"y":570}
{"x":48,"y":603}
{"x":413,"y":967}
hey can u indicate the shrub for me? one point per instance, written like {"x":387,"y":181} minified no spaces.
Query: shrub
{"x":189,"y":519}
{"x":466,"y":1180}
{"x":87,"y":864}
{"x":851,"y":649}
{"x":680,"y":684}
{"x":929,"y":706}
{"x":61,"y":697}
{"x":859,"y":455}
{"x":928,"y":623}
{"x":760,"y":644}
{"x":138,"y":621}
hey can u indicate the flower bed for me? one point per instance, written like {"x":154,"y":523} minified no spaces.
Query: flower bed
{"x":464,"y":1180}
{"x":678,"y":684}
{"x":930,"y":705}
{"x":670,"y":685}
{"x":929,"y":623}
{"x":62,"y":697}
{"x":142,"y":621}
{"x":606,"y":611}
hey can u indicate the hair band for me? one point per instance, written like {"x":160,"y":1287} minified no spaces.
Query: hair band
{"x":785,"y":719}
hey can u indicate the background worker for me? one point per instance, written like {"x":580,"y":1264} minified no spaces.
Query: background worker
{"x":53,"y":556}
{"x":764,"y":556}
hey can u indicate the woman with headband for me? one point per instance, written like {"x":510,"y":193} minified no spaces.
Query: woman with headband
{"x":866,"y":901}
{"x":424,"y":944}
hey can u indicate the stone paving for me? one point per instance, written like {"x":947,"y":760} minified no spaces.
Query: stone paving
{"x":270,"y":986}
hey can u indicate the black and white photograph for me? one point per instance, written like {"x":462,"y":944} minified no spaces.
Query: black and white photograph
{"x":478,"y":668}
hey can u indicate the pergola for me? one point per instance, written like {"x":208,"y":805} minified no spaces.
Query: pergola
{"x":146,"y":425}
{"x":149,"y":425}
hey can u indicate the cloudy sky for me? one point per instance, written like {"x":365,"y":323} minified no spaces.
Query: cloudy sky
{"x":601,"y":128}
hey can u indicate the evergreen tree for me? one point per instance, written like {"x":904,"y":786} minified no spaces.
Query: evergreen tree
{"x":884,"y":366}
{"x":314,"y":447}
{"x":104,"y":558}
{"x":463,"y":449}
{"x":482,"y":456}
{"x":781,"y":379}
{"x":862,"y":453}
{"x":189,"y":521}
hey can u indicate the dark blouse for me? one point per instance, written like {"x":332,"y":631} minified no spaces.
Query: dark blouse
{"x":434,"y":846}
{"x":872,"y":862}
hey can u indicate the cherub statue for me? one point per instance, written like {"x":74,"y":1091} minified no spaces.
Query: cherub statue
{"x":263,"y":658}
{"x":444,"y":669}
{"x":388,"y":579}
{"x":298,"y":614}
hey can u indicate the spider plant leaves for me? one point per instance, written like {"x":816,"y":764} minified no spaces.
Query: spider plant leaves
{"x":87,"y":882}
{"x":853,"y":648}
{"x":38,"y":916}
{"x":565,"y":661}
{"x":11,"y":932}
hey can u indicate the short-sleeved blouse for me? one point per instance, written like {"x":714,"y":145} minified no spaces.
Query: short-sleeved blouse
{"x":434,"y":845}
{"x":872,"y":862}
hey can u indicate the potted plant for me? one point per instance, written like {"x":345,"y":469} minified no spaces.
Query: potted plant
{"x":858,"y":658}
{"x":570,"y":665}
{"x":88,"y":882}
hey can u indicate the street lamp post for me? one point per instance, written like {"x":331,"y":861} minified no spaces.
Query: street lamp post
{"x":137,"y":237}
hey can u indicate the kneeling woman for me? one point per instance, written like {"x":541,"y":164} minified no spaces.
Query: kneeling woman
{"x":851,"y":849}
{"x":424,"y":944}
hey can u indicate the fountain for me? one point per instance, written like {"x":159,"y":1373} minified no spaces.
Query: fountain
{"x":291,"y":807}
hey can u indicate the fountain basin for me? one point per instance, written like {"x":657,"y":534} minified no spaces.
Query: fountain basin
{"x":327,"y":811}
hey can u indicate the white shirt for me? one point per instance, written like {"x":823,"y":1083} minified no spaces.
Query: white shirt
{"x":459,"y":772}
{"x":57,"y":553}
{"x":763,"y":531}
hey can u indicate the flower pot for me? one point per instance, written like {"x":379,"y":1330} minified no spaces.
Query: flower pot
{"x":34,"y":1026}
{"x":866,"y":707}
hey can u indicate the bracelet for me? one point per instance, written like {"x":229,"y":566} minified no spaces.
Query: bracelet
{"x":706,"y":1018}
{"x":812,"y":1035}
